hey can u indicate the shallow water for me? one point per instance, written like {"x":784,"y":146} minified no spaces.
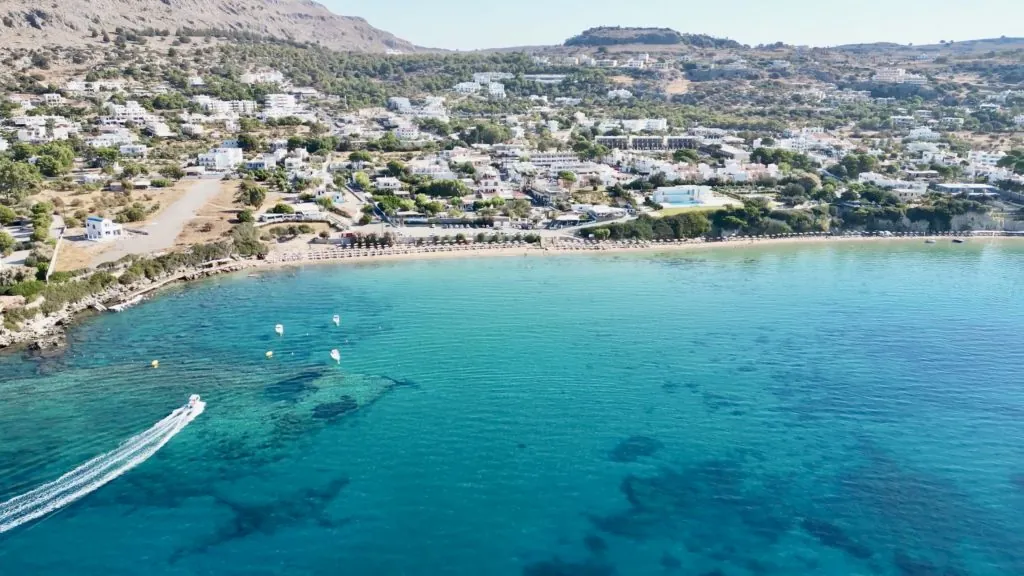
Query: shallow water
{"x":784,"y":410}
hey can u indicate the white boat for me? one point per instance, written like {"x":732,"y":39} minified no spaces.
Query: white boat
{"x":336,"y":320}
{"x":336,"y":356}
{"x":279,"y":329}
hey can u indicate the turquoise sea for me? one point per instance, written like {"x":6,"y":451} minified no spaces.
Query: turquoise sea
{"x":818,"y":410}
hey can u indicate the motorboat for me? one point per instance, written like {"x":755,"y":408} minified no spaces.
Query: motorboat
{"x":958,"y":240}
{"x":929,"y":241}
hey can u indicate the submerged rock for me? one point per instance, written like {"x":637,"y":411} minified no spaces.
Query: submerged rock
{"x":633,"y":448}
{"x":834,"y":537}
{"x":331,"y":410}
{"x":595,"y":544}
{"x":293,"y":388}
{"x":670,"y":562}
{"x":557,"y":567}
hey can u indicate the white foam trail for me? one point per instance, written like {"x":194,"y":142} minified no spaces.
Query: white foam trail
{"x":95,"y":473}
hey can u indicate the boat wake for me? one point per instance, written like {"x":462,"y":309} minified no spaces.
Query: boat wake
{"x":97,"y":472}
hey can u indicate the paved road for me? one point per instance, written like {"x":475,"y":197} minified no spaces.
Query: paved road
{"x":162,"y":232}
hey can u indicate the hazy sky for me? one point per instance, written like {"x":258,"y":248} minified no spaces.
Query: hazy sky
{"x":473,"y":24}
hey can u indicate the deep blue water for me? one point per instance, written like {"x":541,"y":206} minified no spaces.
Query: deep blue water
{"x":794,"y":411}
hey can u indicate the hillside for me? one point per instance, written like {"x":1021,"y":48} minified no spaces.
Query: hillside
{"x":613,"y":36}
{"x":964,"y":47}
{"x":26,"y":23}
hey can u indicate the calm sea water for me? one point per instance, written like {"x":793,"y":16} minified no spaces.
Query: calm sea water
{"x":814,"y":410}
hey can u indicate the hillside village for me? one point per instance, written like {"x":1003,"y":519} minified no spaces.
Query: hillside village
{"x":166,"y":142}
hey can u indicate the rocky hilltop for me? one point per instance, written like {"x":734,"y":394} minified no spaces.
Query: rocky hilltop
{"x":615,"y":35}
{"x":27,"y":23}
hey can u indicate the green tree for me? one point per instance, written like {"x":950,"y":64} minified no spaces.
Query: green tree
{"x":246,"y":216}
{"x":361,"y":180}
{"x":251,"y":194}
{"x":246,"y":240}
{"x":7,"y":243}
{"x":360,"y":156}
{"x":686,"y":155}
{"x":602,"y":233}
{"x":172,"y":171}
{"x":325,"y":202}
{"x":17,"y":180}
{"x":1013,"y":161}
{"x":250,"y":142}
{"x":49,"y":166}
{"x":7,"y":215}
{"x":518,"y":208}
{"x":280,"y":208}
{"x":397,"y":169}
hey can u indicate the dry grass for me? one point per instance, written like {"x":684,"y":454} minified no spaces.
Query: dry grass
{"x":213,"y":220}
{"x":76,"y":255}
{"x":677,"y":86}
{"x":622,"y":80}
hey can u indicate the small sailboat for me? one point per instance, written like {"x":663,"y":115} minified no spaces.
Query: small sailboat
{"x":270,"y":353}
{"x":279,"y":329}
{"x":336,"y":320}
{"x":336,"y":356}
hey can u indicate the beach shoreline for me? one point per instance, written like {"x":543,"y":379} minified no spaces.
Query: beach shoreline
{"x":46,"y":334}
{"x":351,"y":255}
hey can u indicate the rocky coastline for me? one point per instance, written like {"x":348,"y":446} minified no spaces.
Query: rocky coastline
{"x":44,"y":335}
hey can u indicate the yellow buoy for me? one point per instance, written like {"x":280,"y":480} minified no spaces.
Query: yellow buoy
{"x":155,"y":363}
{"x":270,"y":354}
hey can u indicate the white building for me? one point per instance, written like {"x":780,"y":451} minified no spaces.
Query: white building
{"x":53,"y":99}
{"x":649,"y":124}
{"x":903,"y":121}
{"x":621,"y":94}
{"x":987,"y":159}
{"x":264,"y":77}
{"x":221,"y":158}
{"x":192,"y":129}
{"x":685,"y":195}
{"x":279,"y":101}
{"x":496,"y":90}
{"x":924,"y":134}
{"x":400,"y":105}
{"x":102,"y":229}
{"x":196,"y":81}
{"x":897,"y":76}
{"x":262,"y":162}
{"x":1019,"y":120}
{"x":159,"y":129}
{"x":4,"y":145}
{"x":134,"y":150}
{"x":954,"y":123}
{"x":131,"y":111}
{"x":388,"y":183}
{"x":488,"y":77}
{"x":406,"y":133}
{"x":467,"y":87}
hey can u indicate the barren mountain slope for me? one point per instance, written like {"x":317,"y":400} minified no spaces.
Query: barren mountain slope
{"x":28,"y":23}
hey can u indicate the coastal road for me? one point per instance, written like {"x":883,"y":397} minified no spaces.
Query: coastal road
{"x":160,"y":234}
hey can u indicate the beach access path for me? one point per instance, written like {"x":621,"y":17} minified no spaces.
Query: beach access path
{"x":160,"y":235}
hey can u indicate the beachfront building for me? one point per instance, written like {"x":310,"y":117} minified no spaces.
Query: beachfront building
{"x":686,"y":195}
{"x":101,"y":229}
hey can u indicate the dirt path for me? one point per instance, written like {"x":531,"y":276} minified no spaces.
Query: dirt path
{"x":160,"y":235}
